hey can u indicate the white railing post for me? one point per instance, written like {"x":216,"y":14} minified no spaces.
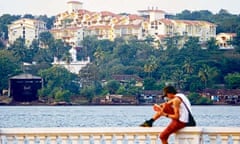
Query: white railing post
{"x":189,"y":135}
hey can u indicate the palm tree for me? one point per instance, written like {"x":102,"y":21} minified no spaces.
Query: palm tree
{"x":99,"y":55}
{"x":207,"y":73}
{"x":188,"y":65}
{"x":151,"y":65}
{"x":178,"y":78}
{"x":203,"y":74}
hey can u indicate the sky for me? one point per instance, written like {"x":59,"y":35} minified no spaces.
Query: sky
{"x":54,"y":7}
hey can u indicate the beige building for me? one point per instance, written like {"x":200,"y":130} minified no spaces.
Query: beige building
{"x":28,"y":29}
{"x":224,"y":39}
{"x":168,"y":27}
{"x":108,"y":25}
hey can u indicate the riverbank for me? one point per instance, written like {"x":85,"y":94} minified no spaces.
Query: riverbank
{"x":7,"y":101}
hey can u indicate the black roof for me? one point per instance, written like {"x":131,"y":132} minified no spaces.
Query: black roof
{"x":25,"y":76}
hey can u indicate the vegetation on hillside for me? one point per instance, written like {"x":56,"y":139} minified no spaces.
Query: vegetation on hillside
{"x":189,"y":67}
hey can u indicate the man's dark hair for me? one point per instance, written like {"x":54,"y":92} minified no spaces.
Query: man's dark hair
{"x":169,"y":89}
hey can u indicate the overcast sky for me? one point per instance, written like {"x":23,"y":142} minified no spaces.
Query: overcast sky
{"x":54,"y":7}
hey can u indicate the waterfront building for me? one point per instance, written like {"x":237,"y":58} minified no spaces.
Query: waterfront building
{"x":28,"y":29}
{"x":24,"y":87}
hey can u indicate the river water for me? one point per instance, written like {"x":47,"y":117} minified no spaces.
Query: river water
{"x":107,"y":116}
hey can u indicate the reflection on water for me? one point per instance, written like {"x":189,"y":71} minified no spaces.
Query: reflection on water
{"x":107,"y":116}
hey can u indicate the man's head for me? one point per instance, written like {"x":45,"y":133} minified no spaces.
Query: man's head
{"x":169,"y":90}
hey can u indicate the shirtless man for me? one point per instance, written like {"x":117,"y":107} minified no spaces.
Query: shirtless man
{"x":174,"y":109}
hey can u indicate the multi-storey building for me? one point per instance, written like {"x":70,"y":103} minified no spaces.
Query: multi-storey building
{"x":28,"y":29}
{"x":107,"y":25}
{"x":202,"y":29}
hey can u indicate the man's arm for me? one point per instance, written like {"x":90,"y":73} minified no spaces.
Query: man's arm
{"x":176,"y":106}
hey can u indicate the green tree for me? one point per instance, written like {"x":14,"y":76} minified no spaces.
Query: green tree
{"x":9,"y":65}
{"x":126,"y":53}
{"x":112,"y":86}
{"x":178,"y":78}
{"x":46,"y":40}
{"x":233,"y":80}
{"x":203,"y":74}
{"x":212,"y":44}
{"x":236,"y":40}
{"x":49,"y":21}
{"x":19,"y":49}
{"x":207,"y":74}
{"x":58,"y":81}
{"x":99,"y":56}
{"x":196,"y":98}
{"x":5,"y":20}
{"x":60,"y":49}
{"x":149,"y":83}
{"x":89,"y":46}
{"x":188,"y":65}
{"x":192,"y":48}
{"x":150,"y":65}
{"x":62,"y":95}
{"x":88,"y":92}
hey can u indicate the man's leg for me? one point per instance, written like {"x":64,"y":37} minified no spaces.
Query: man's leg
{"x":173,"y":127}
{"x":167,"y":108}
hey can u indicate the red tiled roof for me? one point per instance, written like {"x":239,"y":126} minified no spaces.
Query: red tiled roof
{"x":194,"y":22}
{"x":166,"y":21}
{"x":68,"y":28}
{"x":127,"y":26}
{"x":99,"y":27}
{"x":83,"y":11}
{"x":134,"y":17}
{"x":107,"y":13}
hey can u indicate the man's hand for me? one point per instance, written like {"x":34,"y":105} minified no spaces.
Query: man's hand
{"x":157,"y":108}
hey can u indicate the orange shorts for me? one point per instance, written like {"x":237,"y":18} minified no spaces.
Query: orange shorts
{"x":174,"y":125}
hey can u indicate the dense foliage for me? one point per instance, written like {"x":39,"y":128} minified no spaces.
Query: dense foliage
{"x":188,"y":67}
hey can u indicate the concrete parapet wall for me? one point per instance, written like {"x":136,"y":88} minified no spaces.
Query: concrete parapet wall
{"x":118,"y":135}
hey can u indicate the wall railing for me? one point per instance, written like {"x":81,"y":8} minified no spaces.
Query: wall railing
{"x":118,"y":135}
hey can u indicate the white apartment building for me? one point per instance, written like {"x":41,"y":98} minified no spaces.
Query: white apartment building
{"x":28,"y":29}
{"x":74,"y":6}
{"x":168,"y":27}
{"x":152,"y":14}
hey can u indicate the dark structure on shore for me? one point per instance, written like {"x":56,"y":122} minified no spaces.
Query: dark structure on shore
{"x":24,"y":87}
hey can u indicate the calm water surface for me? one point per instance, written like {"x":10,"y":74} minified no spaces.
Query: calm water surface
{"x":107,"y":116}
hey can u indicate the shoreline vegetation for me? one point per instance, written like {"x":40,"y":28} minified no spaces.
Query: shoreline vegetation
{"x":7,"y":101}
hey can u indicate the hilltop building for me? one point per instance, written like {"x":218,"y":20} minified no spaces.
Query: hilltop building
{"x":75,"y":23}
{"x":224,"y":39}
{"x":28,"y":29}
